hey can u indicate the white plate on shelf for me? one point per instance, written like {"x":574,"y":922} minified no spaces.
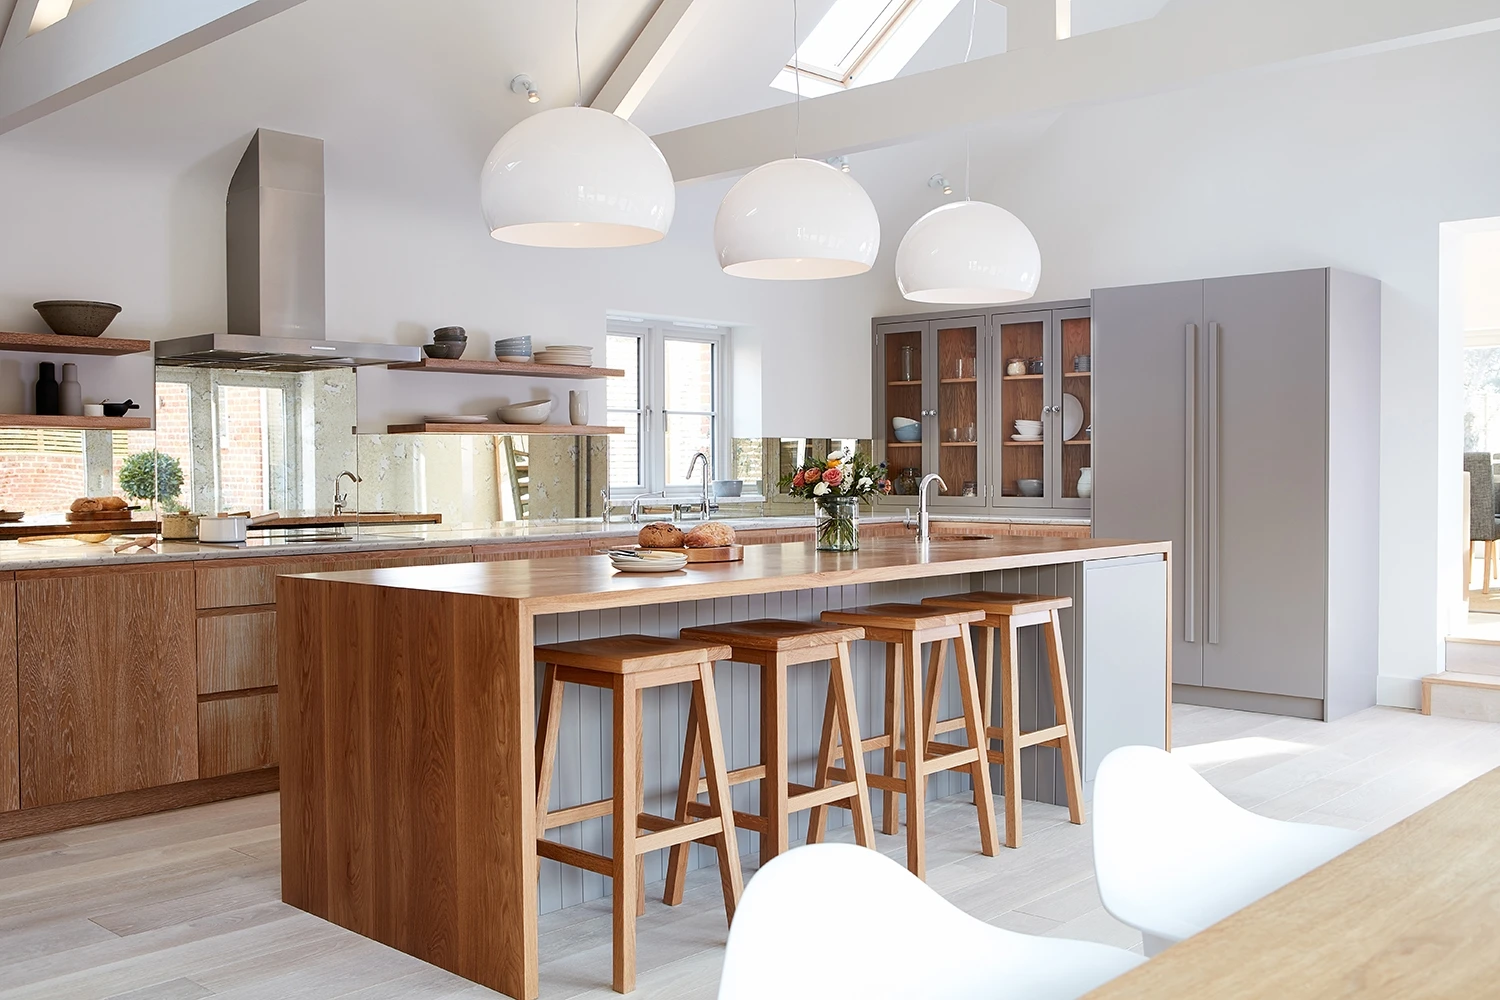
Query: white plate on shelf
{"x":1072,"y":416}
{"x":1017,"y":437}
{"x":455,"y":418}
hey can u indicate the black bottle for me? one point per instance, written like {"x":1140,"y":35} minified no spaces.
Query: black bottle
{"x":46,"y":390}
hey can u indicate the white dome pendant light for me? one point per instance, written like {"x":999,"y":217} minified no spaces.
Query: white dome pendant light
{"x":577,"y":177}
{"x":968,"y":252}
{"x":796,"y":219}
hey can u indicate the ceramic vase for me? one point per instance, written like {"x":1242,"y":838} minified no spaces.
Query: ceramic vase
{"x":1086,"y":482}
{"x":578,"y":407}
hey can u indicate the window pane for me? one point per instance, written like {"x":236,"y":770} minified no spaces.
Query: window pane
{"x":842,"y":34}
{"x":252,"y":447}
{"x":625,"y":450}
{"x":1482,"y":399}
{"x":689,"y":375}
{"x":687,"y":434}
{"x":174,"y":425}
{"x":624,"y":393}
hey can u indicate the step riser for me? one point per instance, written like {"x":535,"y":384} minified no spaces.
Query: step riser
{"x":1464,"y":702}
{"x":1472,"y":658}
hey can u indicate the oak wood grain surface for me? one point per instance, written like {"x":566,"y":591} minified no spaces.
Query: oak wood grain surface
{"x":236,"y":651}
{"x":1410,"y":913}
{"x":245,"y":582}
{"x":237,"y":734}
{"x":10,"y":751}
{"x":108,"y":682}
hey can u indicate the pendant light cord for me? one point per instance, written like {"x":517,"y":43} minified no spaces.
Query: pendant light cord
{"x":797,"y":84}
{"x":578,"y":59}
{"x":973,"y":14}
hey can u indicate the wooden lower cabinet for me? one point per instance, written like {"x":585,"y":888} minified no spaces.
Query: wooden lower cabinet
{"x":10,"y":726}
{"x":237,"y":734}
{"x":107,"y":681}
{"x":236,"y":651}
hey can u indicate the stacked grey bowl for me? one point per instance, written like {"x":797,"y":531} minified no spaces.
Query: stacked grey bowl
{"x":448,"y":342}
{"x":513,"y":349}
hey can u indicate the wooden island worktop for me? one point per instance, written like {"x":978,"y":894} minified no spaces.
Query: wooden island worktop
{"x":407,"y":708}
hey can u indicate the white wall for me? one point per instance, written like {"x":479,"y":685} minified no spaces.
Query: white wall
{"x":1352,"y":165}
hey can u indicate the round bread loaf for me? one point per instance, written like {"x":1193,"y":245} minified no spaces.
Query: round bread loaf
{"x":660,"y":535}
{"x":83,"y":504}
{"x":710,"y":535}
{"x":112,"y":503}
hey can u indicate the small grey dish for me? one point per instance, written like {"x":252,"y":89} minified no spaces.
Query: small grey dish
{"x":449,"y":350}
{"x":449,"y":333}
{"x":1029,"y":487}
{"x":728,"y":487}
{"x":77,"y":317}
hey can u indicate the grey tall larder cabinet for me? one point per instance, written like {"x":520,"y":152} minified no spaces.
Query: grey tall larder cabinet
{"x":1239,"y":418}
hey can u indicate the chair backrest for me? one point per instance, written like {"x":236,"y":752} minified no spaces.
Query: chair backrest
{"x":835,"y":920}
{"x":1480,"y":465}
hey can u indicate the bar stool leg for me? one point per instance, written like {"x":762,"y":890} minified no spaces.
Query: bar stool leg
{"x":889,"y":819}
{"x":916,"y":776}
{"x":640,"y":790}
{"x":687,"y":793}
{"x":773,"y":748}
{"x":1064,"y":707}
{"x":984,"y":669}
{"x":1010,"y":734}
{"x":725,"y":840}
{"x":936,"y":664}
{"x":627,"y":796}
{"x":817,"y":816}
{"x":854,"y":758}
{"x":978,"y":737}
{"x":549,"y":721}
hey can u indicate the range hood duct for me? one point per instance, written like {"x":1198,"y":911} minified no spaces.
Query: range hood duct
{"x":275,"y":262}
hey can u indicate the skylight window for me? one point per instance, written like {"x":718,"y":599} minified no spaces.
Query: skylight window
{"x":49,"y":12}
{"x":859,"y":42}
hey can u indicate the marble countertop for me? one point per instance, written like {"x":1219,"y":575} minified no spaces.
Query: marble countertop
{"x":66,"y":553}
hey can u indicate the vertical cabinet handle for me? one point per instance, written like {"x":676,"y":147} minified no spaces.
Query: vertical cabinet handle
{"x":1215,"y":518}
{"x":1190,"y":489}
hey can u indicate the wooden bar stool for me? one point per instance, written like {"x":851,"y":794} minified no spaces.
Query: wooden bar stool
{"x":628,"y":665}
{"x":1007,"y":614}
{"x":776,"y":645}
{"x":911,"y":717}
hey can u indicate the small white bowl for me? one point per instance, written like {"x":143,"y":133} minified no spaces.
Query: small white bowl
{"x":93,"y":409}
{"x":534,"y":411}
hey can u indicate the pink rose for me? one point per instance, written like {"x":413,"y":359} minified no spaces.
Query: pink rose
{"x":833,"y":477}
{"x":797,"y":481}
{"x":811,"y":476}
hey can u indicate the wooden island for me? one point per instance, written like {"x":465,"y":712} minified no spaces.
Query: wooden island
{"x":408,"y":711}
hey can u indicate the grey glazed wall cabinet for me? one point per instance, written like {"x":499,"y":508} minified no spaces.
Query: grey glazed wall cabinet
{"x":946,"y":373}
{"x":1239,"y":418}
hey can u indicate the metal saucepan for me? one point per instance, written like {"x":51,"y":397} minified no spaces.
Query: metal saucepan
{"x":229,"y":528}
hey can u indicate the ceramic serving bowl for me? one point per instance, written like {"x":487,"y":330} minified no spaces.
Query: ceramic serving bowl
{"x":1029,"y":487}
{"x":534,"y":411}
{"x":449,"y":333}
{"x":76,"y":317}
{"x":447,"y":349}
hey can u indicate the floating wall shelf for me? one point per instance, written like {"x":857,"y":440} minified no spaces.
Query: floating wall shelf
{"x":51,"y":343}
{"x":462,"y":367}
{"x":550,"y":429}
{"x":76,"y":423}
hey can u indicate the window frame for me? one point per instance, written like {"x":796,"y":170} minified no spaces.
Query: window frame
{"x":818,"y":81}
{"x":652,"y":442}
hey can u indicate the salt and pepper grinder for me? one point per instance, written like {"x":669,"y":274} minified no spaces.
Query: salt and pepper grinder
{"x":46,"y":390}
{"x":70,"y":393}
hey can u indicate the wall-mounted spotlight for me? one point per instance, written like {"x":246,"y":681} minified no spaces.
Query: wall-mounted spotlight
{"x":522,"y":85}
{"x":937,"y":183}
{"x":842,"y":162}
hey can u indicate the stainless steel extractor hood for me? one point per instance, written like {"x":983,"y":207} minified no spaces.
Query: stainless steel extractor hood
{"x":274,"y":258}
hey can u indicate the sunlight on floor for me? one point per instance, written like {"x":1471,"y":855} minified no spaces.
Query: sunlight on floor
{"x":1245,"y":748}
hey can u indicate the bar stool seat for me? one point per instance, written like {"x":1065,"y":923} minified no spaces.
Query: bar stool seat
{"x":911,"y":720}
{"x":776,"y":645}
{"x":1006,"y":614}
{"x":627,"y":665}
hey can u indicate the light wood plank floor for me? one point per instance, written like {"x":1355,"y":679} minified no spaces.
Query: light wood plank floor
{"x":186,"y":904}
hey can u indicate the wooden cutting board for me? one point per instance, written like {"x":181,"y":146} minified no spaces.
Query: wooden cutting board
{"x":719,"y":553}
{"x":100,"y":515}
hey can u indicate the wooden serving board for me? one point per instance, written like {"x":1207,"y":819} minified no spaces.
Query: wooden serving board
{"x":719,"y":553}
{"x":100,"y":515}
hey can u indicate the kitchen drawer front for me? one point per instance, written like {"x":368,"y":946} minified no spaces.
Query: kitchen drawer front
{"x":540,"y":550}
{"x":237,"y":734}
{"x":235,"y":583}
{"x":236,"y":651}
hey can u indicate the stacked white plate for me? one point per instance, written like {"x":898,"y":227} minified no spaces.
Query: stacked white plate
{"x":566,"y":354}
{"x":647,"y":561}
{"x":1028,"y":430}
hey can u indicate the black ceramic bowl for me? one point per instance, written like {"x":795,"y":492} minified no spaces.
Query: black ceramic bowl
{"x":449,"y":333}
{"x":449,"y":350}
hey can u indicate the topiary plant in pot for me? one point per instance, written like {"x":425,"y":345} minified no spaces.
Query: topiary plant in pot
{"x":152,"y":476}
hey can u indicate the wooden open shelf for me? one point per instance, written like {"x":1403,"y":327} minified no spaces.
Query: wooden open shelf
{"x":958,"y":381}
{"x":913,"y":382}
{"x":565,"y":429}
{"x":903,"y":444}
{"x":1080,"y":441}
{"x":958,"y":444}
{"x":1024,"y":444}
{"x":459,"y":366}
{"x":1077,"y":374}
{"x":1022,"y":378}
{"x":51,"y":343}
{"x":76,"y":423}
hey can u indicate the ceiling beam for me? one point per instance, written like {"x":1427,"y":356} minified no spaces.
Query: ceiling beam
{"x":655,"y":47}
{"x":1176,"y":49}
{"x":103,"y":44}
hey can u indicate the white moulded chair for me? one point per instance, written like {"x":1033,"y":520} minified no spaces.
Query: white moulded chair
{"x":1173,"y":856}
{"x":835,"y":920}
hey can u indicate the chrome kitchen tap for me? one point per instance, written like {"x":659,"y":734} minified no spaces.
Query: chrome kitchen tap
{"x":707,"y":500}
{"x":635,"y":505}
{"x":923,"y":529}
{"x":342,"y":499}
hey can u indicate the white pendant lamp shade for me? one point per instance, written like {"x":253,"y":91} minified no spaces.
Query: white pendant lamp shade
{"x":968,"y":252}
{"x":796,"y":219}
{"x":577,"y":177}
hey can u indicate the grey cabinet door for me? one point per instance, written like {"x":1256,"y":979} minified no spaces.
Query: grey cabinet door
{"x":1266,"y":538}
{"x":1148,"y":455}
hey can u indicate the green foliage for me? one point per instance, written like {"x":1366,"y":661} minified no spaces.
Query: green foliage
{"x":152,"y":475}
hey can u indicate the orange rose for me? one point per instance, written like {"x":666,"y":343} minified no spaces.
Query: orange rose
{"x":810,"y":476}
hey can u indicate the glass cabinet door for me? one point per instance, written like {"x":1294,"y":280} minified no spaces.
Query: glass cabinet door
{"x":904,"y":406}
{"x":1075,"y":412}
{"x":1020,"y":358}
{"x":955,"y":348}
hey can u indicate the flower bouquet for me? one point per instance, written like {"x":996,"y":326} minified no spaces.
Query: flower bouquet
{"x":836,"y":486}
